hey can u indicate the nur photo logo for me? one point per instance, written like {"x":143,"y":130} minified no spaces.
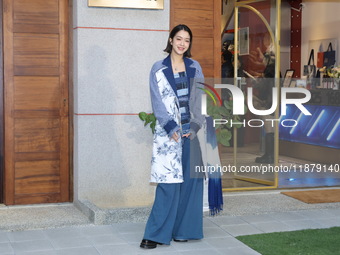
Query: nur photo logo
{"x":239,"y":107}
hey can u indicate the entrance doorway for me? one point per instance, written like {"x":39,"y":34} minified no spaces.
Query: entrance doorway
{"x":36,"y":102}
{"x":249,"y":34}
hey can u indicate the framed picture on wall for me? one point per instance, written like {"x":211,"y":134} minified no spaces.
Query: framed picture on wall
{"x":243,"y":41}
{"x":288,"y":78}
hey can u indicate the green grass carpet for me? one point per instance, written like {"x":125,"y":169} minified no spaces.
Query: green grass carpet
{"x":302,"y":242}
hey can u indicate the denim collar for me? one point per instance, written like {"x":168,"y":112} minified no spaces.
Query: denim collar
{"x":190,"y":71}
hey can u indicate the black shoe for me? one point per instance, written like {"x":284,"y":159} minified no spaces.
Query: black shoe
{"x":180,"y":240}
{"x":265,"y":159}
{"x":147,"y":244}
{"x":268,"y":156}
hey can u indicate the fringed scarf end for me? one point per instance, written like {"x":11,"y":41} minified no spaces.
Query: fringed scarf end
{"x":215,"y":196}
{"x":216,"y":211}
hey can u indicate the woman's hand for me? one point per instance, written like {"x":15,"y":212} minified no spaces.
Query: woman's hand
{"x":175,"y":136}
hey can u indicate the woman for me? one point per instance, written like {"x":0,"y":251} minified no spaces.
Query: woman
{"x":177,"y":212}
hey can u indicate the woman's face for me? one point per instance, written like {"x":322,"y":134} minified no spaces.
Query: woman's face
{"x":180,"y":43}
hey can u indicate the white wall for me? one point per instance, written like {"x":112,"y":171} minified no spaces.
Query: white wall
{"x":320,"y":20}
{"x":114,"y":50}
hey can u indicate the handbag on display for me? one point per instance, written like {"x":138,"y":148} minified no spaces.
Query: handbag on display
{"x":320,"y":57}
{"x":329,"y":56}
{"x":309,"y":70}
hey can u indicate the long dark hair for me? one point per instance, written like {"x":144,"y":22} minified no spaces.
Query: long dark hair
{"x":172,"y":34}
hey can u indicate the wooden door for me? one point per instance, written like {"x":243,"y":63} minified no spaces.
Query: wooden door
{"x":1,"y":110}
{"x":36,"y":101}
{"x":204,"y":19}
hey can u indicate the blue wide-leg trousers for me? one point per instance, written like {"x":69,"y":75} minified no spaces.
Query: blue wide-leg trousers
{"x":177,"y":212}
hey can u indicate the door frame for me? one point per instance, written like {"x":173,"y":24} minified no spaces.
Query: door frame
{"x":70,"y":98}
{"x":1,"y":110}
{"x":275,"y":34}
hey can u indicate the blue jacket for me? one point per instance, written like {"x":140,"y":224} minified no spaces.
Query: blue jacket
{"x":166,"y":160}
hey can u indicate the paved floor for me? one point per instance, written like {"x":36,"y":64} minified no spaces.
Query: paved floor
{"x":16,"y":218}
{"x":124,"y":238}
{"x":256,"y":212}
